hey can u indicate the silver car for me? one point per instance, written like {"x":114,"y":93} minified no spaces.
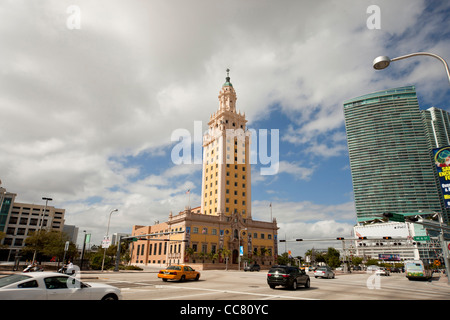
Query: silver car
{"x":53,"y":286}
{"x":324,"y":272}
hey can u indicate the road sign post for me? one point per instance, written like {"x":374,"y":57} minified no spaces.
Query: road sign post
{"x":421,"y":238}
{"x":66,"y":248}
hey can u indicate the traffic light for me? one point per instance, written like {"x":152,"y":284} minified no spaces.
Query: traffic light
{"x":394,"y":216}
{"x":298,"y":239}
{"x":282,"y":240}
{"x":339,"y":238}
{"x":387,"y":238}
{"x":362,"y":238}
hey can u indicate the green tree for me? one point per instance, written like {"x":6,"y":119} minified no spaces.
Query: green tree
{"x":226,"y":253}
{"x":332,"y":258}
{"x":356,"y":261}
{"x":284,"y":259}
{"x":189,"y":252}
{"x":372,"y":262}
{"x":48,"y":244}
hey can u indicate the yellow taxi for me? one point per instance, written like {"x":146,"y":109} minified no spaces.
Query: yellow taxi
{"x":178,"y":272}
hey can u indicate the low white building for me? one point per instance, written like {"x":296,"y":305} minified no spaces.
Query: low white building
{"x":394,"y":242}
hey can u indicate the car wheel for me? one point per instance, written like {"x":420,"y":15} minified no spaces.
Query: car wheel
{"x":183,"y":277}
{"x":110,"y":297}
{"x":272,"y":286}
{"x":165,"y":280}
{"x":307,"y":284}
{"x":294,"y":285}
{"x":197,"y":277}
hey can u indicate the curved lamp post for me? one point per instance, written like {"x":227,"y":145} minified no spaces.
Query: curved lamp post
{"x":383,"y":62}
{"x":107,"y":232}
{"x":40,"y":223}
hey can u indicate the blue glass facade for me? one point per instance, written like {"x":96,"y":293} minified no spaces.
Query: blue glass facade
{"x":390,"y":155}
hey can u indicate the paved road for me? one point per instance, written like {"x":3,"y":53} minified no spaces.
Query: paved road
{"x":234,"y":285}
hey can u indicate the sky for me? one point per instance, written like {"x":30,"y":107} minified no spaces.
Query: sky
{"x":93,"y":91}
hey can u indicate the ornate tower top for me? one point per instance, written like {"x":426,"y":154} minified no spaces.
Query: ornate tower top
{"x":227,"y":80}
{"x":227,"y":95}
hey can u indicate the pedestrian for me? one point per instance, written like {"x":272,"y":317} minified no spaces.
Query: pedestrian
{"x":69,"y":269}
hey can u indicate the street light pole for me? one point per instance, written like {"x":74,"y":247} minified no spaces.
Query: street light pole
{"x":107,"y":232}
{"x":383,"y":62}
{"x":40,"y":223}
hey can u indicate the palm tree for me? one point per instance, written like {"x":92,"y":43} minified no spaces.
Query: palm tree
{"x":189,"y":252}
{"x":226,"y":253}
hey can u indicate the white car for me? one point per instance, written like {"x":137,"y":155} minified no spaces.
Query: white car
{"x":382,"y":272}
{"x":53,"y":286}
{"x":324,"y":272}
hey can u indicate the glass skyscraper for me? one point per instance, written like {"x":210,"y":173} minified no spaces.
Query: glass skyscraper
{"x":390,"y":154}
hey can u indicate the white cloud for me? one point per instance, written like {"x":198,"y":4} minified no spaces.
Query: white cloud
{"x":75,"y":103}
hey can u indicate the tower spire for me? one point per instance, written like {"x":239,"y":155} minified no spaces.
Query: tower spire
{"x":227,"y":79}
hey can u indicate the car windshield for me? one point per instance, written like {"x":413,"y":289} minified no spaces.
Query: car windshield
{"x":174,"y":268}
{"x":277,"y":270}
{"x":12,"y":279}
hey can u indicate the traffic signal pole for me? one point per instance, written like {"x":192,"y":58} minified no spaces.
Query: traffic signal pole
{"x":415,"y":219}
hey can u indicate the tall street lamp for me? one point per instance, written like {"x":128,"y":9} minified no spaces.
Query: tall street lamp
{"x":40,"y":223}
{"x":383,"y":62}
{"x":107,"y":232}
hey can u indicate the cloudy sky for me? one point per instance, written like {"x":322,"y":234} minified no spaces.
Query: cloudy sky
{"x":92,"y":91}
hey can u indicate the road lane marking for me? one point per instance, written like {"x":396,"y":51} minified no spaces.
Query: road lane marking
{"x":240,"y":292}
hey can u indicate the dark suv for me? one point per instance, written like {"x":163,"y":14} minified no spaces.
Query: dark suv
{"x":289,"y":277}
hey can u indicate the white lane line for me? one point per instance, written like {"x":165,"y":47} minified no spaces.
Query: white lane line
{"x":239,"y":292}
{"x":185,"y":296}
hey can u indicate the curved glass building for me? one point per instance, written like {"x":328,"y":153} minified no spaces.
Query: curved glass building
{"x":390,"y":155}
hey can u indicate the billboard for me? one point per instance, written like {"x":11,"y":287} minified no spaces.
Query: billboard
{"x":379,"y":230}
{"x":389,"y":257}
{"x":442,"y":161}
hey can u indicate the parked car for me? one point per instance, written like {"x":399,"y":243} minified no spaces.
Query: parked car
{"x":54,"y":286}
{"x":382,"y":272}
{"x":178,"y":272}
{"x":286,"y":276}
{"x":324,"y":272}
{"x":252,"y":267}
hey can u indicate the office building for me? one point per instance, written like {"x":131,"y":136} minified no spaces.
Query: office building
{"x":390,"y":154}
{"x":19,"y":220}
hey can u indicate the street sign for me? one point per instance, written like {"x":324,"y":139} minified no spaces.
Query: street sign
{"x":397,"y":217}
{"x":422,"y":238}
{"x":66,"y":246}
{"x":106,"y":242}
{"x":241,"y":250}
